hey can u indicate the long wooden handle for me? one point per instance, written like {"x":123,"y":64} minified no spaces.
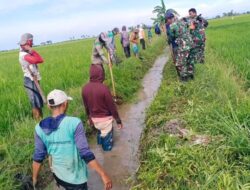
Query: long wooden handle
{"x":38,"y":87}
{"x":40,"y":90}
{"x":111,"y":74}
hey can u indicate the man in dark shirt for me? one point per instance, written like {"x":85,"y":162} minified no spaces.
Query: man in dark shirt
{"x":100,"y":107}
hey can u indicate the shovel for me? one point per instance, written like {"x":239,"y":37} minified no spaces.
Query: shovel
{"x":118,"y":100}
{"x":38,"y":87}
{"x":112,"y":76}
{"x":40,"y":90}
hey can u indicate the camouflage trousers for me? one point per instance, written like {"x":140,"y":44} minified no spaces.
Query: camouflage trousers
{"x":200,"y":53}
{"x":191,"y":61}
{"x":182,"y":63}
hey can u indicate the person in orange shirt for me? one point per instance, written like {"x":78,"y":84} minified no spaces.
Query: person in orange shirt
{"x":134,"y":40}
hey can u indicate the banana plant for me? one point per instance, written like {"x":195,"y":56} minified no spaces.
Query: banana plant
{"x":160,"y":12}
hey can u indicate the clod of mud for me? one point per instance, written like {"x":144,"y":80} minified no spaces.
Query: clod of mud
{"x":118,"y":100}
{"x":200,"y":139}
{"x":177,"y":127}
{"x":25,"y":181}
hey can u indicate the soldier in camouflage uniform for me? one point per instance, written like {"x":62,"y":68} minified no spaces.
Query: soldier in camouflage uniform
{"x":197,"y":30}
{"x":180,"y":32}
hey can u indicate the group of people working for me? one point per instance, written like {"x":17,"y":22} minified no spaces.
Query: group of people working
{"x":62,"y":138}
{"x":136,"y":37}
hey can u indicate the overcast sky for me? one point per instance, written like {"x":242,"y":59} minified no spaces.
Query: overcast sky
{"x":59,"y":20}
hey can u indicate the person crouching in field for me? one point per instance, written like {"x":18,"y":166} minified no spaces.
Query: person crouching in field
{"x":29,"y":60}
{"x":125,"y":41}
{"x":104,"y":40}
{"x":100,"y":108}
{"x":134,"y":40}
{"x":63,"y":138}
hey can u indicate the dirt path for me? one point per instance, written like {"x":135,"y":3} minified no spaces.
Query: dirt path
{"x":122,"y":162}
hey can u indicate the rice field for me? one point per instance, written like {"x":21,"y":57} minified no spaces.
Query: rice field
{"x":66,"y":67}
{"x":215,"y":106}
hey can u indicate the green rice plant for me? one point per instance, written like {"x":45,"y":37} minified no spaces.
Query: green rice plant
{"x":216,"y":104}
{"x":67,"y":68}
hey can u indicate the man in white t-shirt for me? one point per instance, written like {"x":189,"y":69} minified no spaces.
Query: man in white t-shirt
{"x":29,"y":60}
{"x":142,"y":37}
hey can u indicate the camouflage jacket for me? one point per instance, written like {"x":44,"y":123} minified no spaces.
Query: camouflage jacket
{"x":198,"y":33}
{"x":180,"y":32}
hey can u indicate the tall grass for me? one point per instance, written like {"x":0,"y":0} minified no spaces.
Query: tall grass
{"x":216,"y":104}
{"x":231,"y":41}
{"x":66,"y":68}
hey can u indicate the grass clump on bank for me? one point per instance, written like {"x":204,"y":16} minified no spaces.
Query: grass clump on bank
{"x":216,"y":104}
{"x":68,"y":70}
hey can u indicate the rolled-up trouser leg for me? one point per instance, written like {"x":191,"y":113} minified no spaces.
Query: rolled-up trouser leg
{"x":107,"y":141}
{"x":33,"y":94}
{"x":105,"y":134}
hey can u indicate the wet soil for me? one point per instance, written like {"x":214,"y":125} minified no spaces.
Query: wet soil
{"x":122,"y":162}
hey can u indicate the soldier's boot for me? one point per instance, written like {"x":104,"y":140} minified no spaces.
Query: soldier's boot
{"x":183,"y":78}
{"x":191,"y":76}
{"x":178,"y":72}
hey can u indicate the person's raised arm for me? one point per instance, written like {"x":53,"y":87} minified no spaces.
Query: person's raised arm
{"x":33,"y":57}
